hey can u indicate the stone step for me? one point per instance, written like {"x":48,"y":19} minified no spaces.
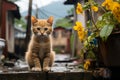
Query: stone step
{"x":27,"y":75}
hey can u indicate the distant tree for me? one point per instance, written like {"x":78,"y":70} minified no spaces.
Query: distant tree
{"x":70,"y":11}
{"x":64,"y":22}
{"x":13,"y":0}
{"x":20,"y":22}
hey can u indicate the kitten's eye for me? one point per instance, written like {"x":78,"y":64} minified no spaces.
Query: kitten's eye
{"x":38,"y":28}
{"x":45,"y":29}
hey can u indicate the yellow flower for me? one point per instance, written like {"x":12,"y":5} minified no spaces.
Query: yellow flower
{"x":86,"y":64}
{"x":108,"y":4}
{"x":80,"y":30}
{"x":94,"y":8}
{"x":116,"y":10}
{"x":81,"y":35}
{"x":78,"y":26}
{"x":79,"y":9}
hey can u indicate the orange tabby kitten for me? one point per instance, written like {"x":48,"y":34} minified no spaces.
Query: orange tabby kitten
{"x":40,"y":55}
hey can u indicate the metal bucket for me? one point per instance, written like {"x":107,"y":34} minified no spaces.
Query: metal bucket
{"x":2,"y":45}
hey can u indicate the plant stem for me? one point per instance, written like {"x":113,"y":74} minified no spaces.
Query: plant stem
{"x":102,"y":8}
{"x":92,"y":18}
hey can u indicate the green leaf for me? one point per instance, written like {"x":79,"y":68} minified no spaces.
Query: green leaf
{"x":99,"y":18}
{"x":118,"y":1}
{"x":106,"y":31}
{"x":88,"y":24}
{"x":86,"y":6}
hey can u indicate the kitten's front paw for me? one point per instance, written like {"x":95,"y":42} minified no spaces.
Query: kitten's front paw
{"x":36,"y":69}
{"x":46,"y":68}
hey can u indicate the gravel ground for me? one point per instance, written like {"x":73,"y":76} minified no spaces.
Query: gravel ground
{"x":62,"y":64}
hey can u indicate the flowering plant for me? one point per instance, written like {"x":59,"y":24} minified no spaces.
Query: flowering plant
{"x":107,"y":21}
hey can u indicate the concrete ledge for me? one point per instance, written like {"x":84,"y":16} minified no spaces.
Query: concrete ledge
{"x":26,"y":75}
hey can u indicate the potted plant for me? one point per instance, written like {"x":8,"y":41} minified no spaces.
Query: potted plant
{"x":102,"y":33}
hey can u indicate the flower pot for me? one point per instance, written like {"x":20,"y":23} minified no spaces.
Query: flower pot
{"x":109,"y":51}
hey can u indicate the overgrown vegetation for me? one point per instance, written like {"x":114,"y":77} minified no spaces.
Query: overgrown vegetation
{"x":20,"y":22}
{"x":64,"y":22}
{"x":13,"y":0}
{"x":67,"y":21}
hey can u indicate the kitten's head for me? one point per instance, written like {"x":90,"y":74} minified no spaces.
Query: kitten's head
{"x":42,"y":27}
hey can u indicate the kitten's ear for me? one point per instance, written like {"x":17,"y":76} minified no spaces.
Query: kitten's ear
{"x":50,"y":20}
{"x":33,"y":19}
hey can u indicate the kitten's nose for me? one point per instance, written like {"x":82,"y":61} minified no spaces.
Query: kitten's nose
{"x":42,"y":34}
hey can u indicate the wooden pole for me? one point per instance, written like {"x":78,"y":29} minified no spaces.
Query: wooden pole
{"x":37,"y":11}
{"x":28,"y":30}
{"x":75,"y":35}
{"x":0,"y":13}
